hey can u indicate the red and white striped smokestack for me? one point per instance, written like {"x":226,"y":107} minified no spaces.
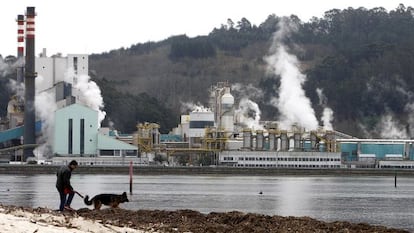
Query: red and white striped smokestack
{"x":30,"y":23}
{"x":20,"y":35}
{"x":20,"y":47}
{"x":29,"y":83}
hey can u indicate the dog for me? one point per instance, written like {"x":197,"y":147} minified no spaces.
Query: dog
{"x":112,"y":200}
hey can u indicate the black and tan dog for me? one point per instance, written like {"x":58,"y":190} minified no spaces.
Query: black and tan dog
{"x":112,"y":200}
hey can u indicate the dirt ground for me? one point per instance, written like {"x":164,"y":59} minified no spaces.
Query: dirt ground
{"x":196,"y":222}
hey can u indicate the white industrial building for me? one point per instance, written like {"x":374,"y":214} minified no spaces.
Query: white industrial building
{"x":280,"y":159}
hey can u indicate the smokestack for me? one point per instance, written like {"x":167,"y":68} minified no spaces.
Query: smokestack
{"x":20,"y":47}
{"x":29,"y":83}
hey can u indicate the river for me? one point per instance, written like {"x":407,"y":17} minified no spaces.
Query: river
{"x":370,"y":199}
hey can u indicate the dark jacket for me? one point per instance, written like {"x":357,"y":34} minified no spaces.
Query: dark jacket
{"x":63,"y":178}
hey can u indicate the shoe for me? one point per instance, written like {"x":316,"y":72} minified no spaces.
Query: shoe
{"x":69,"y":208}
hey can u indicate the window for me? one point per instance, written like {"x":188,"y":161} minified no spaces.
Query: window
{"x":75,"y":65}
{"x":130,"y":152}
{"x":70,"y":136}
{"x":106,"y":153}
{"x":82,"y":136}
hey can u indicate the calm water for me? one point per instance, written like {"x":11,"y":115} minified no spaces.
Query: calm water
{"x":373,"y":200}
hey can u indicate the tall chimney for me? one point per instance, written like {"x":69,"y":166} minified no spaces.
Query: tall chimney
{"x":20,"y":48}
{"x":29,"y":83}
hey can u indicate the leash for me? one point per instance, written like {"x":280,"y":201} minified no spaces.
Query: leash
{"x":79,"y":194}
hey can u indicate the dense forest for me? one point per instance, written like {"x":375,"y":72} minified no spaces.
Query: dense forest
{"x":362,"y":59}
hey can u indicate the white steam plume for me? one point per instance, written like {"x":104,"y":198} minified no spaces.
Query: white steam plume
{"x":248,"y":91}
{"x":45,"y":105}
{"x":16,"y":87}
{"x":188,"y":106}
{"x":7,"y":68}
{"x":409,"y":108}
{"x":248,"y":114}
{"x":327,"y":117}
{"x":390,"y":128}
{"x":327,"y":114}
{"x":292,"y":103}
{"x":90,"y":95}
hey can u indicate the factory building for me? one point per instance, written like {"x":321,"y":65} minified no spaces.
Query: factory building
{"x":293,"y":159}
{"x":76,"y":130}
{"x":283,"y":148}
{"x":76,"y":126}
{"x":382,"y":153}
{"x":57,"y":69}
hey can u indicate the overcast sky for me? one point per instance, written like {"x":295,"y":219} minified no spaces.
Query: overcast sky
{"x":95,"y":26}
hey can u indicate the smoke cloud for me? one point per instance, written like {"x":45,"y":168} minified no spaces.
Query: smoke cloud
{"x":90,"y":95}
{"x":9,"y":67}
{"x":248,"y":114}
{"x":5,"y":68}
{"x":327,"y":114}
{"x":45,"y":105}
{"x":390,"y":128}
{"x":248,"y":91}
{"x":292,"y":103}
{"x":391,"y":125}
{"x":189,"y":106}
{"x":16,"y":87}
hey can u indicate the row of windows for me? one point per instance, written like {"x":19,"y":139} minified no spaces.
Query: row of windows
{"x":397,"y":166}
{"x":200,"y":124}
{"x":288,"y":165}
{"x":282,"y":159}
{"x":117,"y":153}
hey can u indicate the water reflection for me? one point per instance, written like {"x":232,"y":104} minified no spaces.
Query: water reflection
{"x":374,"y":200}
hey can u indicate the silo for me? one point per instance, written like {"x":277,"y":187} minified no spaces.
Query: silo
{"x":227,"y":111}
{"x":284,"y":141}
{"x":313,"y":139}
{"x":259,"y":140}
{"x":272,"y":140}
{"x":247,"y":138}
{"x":330,"y":141}
{"x":297,"y":138}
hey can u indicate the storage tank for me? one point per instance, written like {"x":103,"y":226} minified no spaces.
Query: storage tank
{"x":272,"y":140}
{"x":313,"y":139}
{"x":259,"y":140}
{"x":227,"y":111}
{"x":284,"y":141}
{"x":297,"y":137}
{"x":247,"y":138}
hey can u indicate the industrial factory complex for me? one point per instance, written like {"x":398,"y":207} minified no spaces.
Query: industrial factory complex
{"x":53,"y":120}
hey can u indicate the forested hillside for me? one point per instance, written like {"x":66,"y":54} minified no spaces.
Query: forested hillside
{"x":362,"y":60}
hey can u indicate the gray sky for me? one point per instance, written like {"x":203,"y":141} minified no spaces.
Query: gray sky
{"x":92,"y":26}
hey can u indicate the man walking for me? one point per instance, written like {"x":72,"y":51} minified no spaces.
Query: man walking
{"x":63,"y":185}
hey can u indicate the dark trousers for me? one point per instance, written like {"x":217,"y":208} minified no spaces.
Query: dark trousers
{"x":65,"y":199}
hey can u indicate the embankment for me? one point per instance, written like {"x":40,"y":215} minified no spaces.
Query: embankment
{"x":161,"y":170}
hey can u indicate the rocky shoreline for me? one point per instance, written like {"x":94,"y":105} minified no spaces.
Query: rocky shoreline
{"x":142,"y":221}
